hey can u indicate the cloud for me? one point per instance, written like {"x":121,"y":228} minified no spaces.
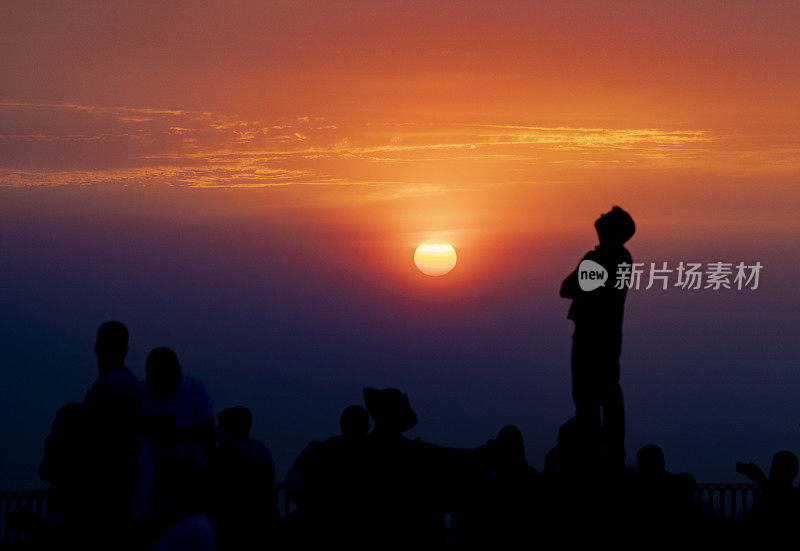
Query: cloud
{"x":179,"y":147}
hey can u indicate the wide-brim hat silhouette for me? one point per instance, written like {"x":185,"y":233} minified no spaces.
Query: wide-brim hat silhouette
{"x":390,"y":409}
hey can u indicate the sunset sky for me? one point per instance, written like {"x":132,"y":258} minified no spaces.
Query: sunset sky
{"x":246,"y":182}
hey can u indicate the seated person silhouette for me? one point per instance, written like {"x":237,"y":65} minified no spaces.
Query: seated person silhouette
{"x":409,"y":483}
{"x":576,"y":455}
{"x":500,"y":502}
{"x":67,"y":468}
{"x":659,"y":501}
{"x":575,"y":487}
{"x":185,"y":523}
{"x":177,"y":410}
{"x":597,"y":340}
{"x":397,"y":499}
{"x":242,"y":475}
{"x":328,"y":482}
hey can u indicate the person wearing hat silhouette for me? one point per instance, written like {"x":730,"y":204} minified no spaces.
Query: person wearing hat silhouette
{"x":408,"y":479}
{"x":597,"y":340}
{"x":391,"y":411}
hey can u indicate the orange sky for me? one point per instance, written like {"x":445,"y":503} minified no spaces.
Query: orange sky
{"x":401,"y":121}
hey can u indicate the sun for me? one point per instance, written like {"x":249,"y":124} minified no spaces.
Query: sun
{"x":435,"y":258}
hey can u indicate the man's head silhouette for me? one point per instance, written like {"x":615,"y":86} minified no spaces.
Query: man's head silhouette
{"x":354,"y":421}
{"x":235,"y":423}
{"x":614,"y":227}
{"x":784,"y":468}
{"x":111,"y":345}
{"x":162,"y":372}
{"x":510,"y":447}
{"x":650,"y":460}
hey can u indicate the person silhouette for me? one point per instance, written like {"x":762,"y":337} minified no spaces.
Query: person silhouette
{"x":329,"y":483}
{"x":779,"y":502}
{"x":659,"y":501}
{"x":499,"y":497}
{"x":67,"y":467}
{"x":185,"y":524}
{"x":597,"y":340}
{"x":178,"y":413}
{"x":113,"y":408}
{"x":409,"y":484}
{"x":575,"y":487}
{"x":114,"y":399}
{"x":244,"y":507}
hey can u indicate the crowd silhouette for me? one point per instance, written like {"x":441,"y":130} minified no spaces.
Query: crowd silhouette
{"x":142,"y":465}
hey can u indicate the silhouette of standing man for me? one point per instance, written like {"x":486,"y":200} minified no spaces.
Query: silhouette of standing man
{"x":113,"y":406}
{"x":597,"y":341}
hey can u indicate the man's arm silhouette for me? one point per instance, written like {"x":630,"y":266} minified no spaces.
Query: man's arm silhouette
{"x":752,"y":471}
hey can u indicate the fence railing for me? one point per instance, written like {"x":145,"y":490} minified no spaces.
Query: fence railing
{"x":725,"y":501}
{"x":18,"y":510}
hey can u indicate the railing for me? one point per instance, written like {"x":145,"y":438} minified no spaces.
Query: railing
{"x":729,"y":502}
{"x":282,"y":495}
{"x":18,"y":510}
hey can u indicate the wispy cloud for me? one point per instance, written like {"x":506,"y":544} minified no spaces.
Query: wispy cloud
{"x":178,"y":147}
{"x":204,"y":176}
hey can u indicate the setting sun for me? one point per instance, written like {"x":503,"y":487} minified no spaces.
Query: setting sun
{"x":435,"y":258}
